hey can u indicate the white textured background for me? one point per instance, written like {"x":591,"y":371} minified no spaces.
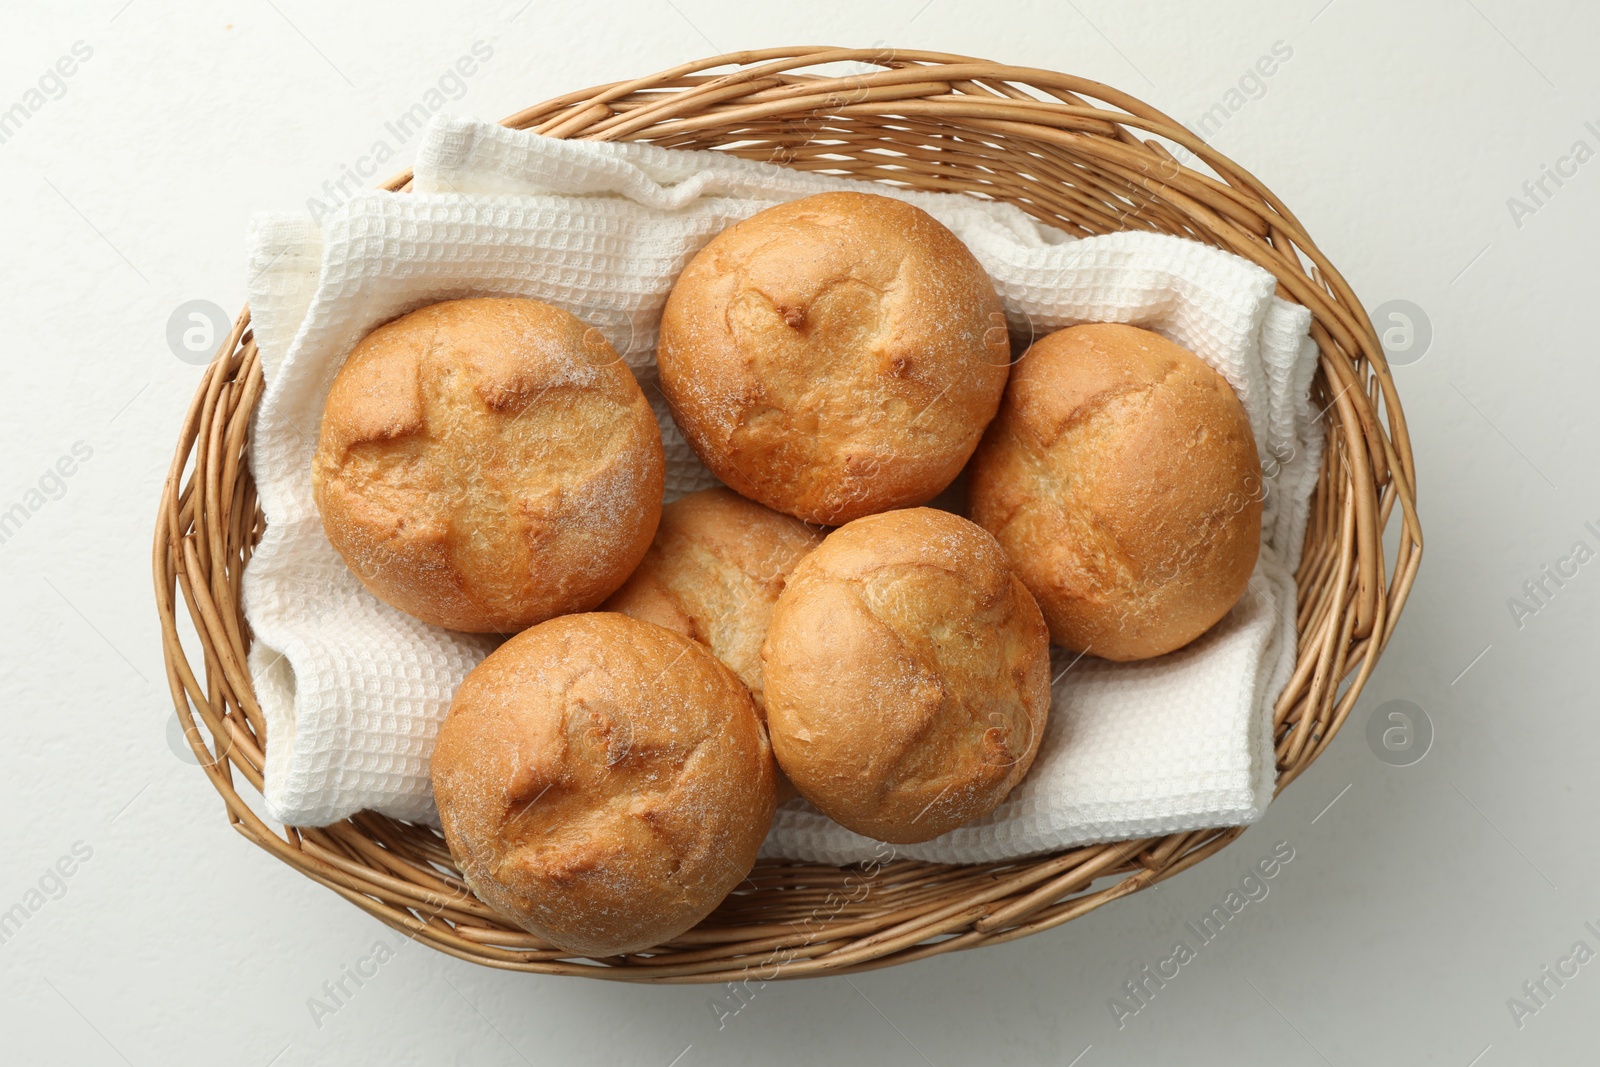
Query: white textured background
{"x":1415,"y":905}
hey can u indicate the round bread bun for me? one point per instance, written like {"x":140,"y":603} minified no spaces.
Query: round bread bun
{"x":487,"y":464}
{"x":907,"y":674}
{"x":714,"y":572}
{"x":1121,"y":477}
{"x":603,"y":782}
{"x":834,"y":356}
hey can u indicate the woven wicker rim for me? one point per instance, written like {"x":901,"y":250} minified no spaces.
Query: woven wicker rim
{"x":1077,"y":154}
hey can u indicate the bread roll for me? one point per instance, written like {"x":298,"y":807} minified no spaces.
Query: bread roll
{"x":487,"y":464}
{"x":834,"y":356}
{"x":1121,"y":477}
{"x":604,"y":782}
{"x":714,"y":572}
{"x":907,"y":674}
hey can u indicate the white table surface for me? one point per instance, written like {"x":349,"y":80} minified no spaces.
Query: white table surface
{"x":1415,"y":906}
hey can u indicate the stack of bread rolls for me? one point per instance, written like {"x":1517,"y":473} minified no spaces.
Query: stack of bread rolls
{"x":606,"y":776}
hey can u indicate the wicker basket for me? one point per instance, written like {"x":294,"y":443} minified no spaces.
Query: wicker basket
{"x":1077,"y":154}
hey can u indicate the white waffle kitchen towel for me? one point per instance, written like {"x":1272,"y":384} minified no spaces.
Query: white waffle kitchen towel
{"x":353,"y":690}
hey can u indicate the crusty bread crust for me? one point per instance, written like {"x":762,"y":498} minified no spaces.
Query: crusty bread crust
{"x":907,"y":675}
{"x":714,"y":572}
{"x":1122,"y":479}
{"x":603,"y":781}
{"x":486,"y":464}
{"x":834,"y":356}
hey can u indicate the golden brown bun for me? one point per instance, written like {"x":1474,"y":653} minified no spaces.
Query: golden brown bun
{"x":715,"y":571}
{"x":603,"y":781}
{"x":834,"y":356}
{"x":908,"y":675}
{"x":1121,"y":477}
{"x":487,"y":464}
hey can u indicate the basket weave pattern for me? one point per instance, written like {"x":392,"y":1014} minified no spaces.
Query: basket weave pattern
{"x":1074,"y":153}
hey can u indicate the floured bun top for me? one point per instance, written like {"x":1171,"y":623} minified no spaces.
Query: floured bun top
{"x":907,"y":675}
{"x":834,"y":356}
{"x":604,"y":782}
{"x":486,"y":464}
{"x":1122,"y":479}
